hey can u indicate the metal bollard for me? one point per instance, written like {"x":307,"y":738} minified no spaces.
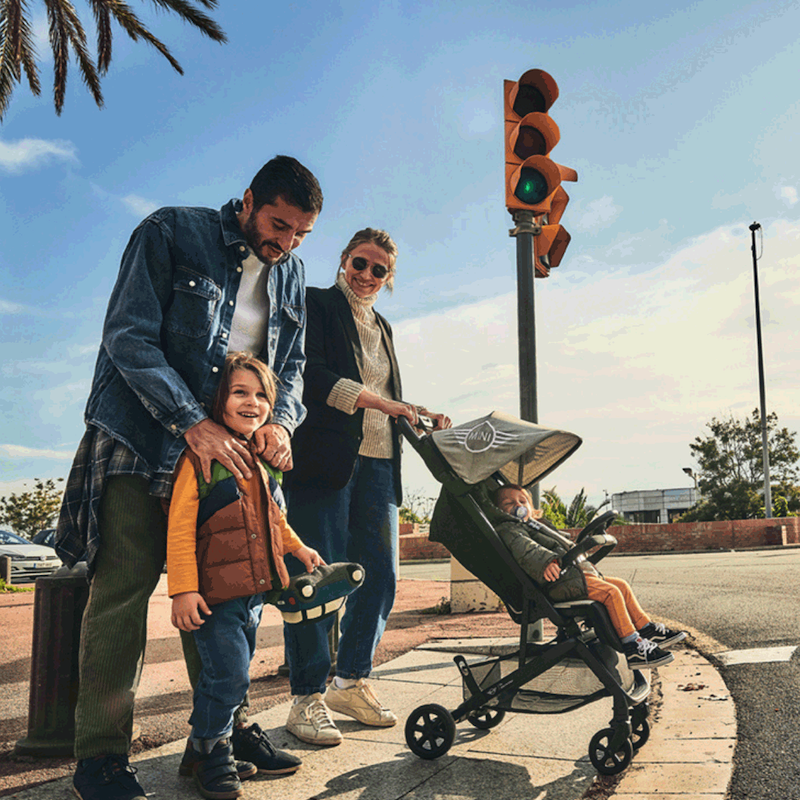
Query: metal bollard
{"x":57,"y":613}
{"x":5,"y":569}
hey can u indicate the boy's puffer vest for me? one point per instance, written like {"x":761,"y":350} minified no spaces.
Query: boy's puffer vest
{"x":239,"y":553}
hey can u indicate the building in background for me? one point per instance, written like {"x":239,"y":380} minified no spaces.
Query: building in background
{"x":657,"y":505}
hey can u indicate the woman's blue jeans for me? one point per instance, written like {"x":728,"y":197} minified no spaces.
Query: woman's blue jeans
{"x":225,"y":642}
{"x":357,"y":523}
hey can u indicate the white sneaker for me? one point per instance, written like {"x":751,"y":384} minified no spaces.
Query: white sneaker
{"x":310,"y":722}
{"x":359,"y":702}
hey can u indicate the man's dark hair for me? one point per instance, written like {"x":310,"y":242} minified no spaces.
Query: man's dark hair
{"x":286,"y":177}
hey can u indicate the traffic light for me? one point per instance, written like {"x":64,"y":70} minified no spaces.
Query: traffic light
{"x":533,"y":179}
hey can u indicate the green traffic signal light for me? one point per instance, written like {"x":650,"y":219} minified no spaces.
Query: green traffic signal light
{"x":532,"y":186}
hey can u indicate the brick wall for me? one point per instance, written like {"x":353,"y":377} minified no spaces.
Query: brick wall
{"x":728,"y":535}
{"x":650,"y":538}
{"x":415,"y":546}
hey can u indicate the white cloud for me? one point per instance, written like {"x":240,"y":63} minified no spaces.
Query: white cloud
{"x":7,"y":307}
{"x":636,"y":364}
{"x":788,"y":194}
{"x":598,"y":214}
{"x":140,"y":206}
{"x":18,"y":452}
{"x":27,"y":154}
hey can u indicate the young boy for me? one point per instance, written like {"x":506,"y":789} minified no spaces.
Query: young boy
{"x":225,"y":545}
{"x":538,"y":547}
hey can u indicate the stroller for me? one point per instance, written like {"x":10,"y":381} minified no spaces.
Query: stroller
{"x":583,"y":663}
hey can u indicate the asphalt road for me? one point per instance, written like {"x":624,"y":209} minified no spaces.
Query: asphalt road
{"x":741,"y":601}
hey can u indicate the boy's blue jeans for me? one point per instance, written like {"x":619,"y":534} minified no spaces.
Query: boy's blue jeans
{"x":357,"y":523}
{"x":225,"y":643}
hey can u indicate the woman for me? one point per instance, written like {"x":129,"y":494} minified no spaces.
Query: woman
{"x":344,"y":491}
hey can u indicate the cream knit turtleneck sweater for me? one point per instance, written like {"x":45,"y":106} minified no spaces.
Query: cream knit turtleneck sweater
{"x":376,"y":373}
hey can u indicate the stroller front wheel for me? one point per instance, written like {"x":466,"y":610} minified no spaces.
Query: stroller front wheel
{"x":430,"y":731}
{"x":606,"y":761}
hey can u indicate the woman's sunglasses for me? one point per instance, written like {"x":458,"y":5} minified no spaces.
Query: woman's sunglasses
{"x":378,"y":270}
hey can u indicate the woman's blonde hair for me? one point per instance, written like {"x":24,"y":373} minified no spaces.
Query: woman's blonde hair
{"x":377,"y":237}
{"x":243,"y":360}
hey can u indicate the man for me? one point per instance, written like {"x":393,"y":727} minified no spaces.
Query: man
{"x":193,"y":283}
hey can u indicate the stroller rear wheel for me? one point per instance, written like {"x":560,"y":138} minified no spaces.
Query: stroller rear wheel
{"x":606,"y":761}
{"x":485,"y":718}
{"x":430,"y":731}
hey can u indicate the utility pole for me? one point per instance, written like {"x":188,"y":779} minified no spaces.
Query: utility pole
{"x":761,"y":390}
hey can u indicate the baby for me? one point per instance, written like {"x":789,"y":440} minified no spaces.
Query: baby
{"x":539,"y":547}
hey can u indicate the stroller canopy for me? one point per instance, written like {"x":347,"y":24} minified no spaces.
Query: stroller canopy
{"x":522,"y":451}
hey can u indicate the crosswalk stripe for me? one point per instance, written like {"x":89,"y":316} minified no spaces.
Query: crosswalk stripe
{"x":758,"y":655}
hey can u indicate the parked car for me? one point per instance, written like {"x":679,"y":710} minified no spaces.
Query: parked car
{"x":29,"y":561}
{"x":46,"y":537}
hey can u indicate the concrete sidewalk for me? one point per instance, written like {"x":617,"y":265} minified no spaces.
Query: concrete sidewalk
{"x":689,"y":754}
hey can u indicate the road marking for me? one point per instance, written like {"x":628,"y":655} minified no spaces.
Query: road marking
{"x":759,"y":655}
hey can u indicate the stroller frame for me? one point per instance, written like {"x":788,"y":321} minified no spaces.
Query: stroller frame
{"x":430,"y":729}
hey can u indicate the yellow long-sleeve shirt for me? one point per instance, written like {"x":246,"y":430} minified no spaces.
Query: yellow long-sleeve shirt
{"x":182,"y":528}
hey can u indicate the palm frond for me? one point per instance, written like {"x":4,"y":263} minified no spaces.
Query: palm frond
{"x":17,"y":52}
{"x":102,"y":19}
{"x":193,"y":15}
{"x":59,"y":44}
{"x":77,"y":39}
{"x":131,"y":24}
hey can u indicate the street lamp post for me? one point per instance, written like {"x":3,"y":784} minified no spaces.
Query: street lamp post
{"x":761,"y":390}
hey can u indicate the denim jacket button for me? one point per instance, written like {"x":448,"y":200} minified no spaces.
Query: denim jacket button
{"x":224,"y":334}
{"x":230,"y":302}
{"x":192,"y":284}
{"x":242,"y":248}
{"x":215,"y":369}
{"x":238,"y":269}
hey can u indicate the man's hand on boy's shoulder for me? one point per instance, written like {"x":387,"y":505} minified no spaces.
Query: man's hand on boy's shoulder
{"x":212,"y":442}
{"x":275,"y":445}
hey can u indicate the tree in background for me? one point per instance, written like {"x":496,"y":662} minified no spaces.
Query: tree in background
{"x":18,"y":55}
{"x":731,"y":479}
{"x":578,"y":515}
{"x":30,"y":512}
{"x":416,"y":507}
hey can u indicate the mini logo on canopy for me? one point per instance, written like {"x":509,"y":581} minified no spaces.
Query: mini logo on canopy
{"x":480,"y":438}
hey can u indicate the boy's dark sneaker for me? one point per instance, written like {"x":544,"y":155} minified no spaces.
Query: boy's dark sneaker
{"x":244,"y":769}
{"x":644,"y":654}
{"x":215,"y":773}
{"x":662,"y":635}
{"x":254,"y":745}
{"x":106,"y":778}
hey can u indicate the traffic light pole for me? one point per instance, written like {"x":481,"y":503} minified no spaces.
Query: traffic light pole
{"x":525,"y":228}
{"x":524,"y":231}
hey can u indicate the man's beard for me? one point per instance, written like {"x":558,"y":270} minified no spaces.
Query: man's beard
{"x":259,"y":246}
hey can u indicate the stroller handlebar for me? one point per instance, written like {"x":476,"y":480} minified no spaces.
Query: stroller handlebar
{"x":424,"y":424}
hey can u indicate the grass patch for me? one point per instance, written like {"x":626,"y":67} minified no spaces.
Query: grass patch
{"x":441,"y":608}
{"x":7,"y":587}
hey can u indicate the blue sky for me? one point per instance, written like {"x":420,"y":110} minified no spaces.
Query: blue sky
{"x":680,"y":121}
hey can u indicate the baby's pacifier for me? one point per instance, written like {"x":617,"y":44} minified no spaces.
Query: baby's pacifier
{"x":520,"y":512}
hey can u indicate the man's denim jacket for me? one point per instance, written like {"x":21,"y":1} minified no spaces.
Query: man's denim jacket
{"x":166,"y":331}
